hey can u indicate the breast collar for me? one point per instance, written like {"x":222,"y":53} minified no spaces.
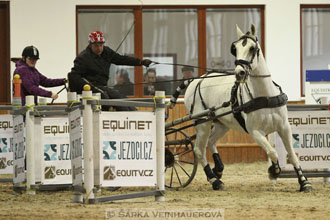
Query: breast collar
{"x":255,"y":103}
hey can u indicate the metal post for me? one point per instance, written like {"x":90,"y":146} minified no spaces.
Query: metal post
{"x":30,"y":161}
{"x":17,"y":104}
{"x":72,"y":97}
{"x":42,"y":101}
{"x":160,"y":146}
{"x":96,"y":144}
{"x":17,"y":100}
{"x":77,"y":196}
{"x":88,"y":144}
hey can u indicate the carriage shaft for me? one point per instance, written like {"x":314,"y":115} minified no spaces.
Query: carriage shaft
{"x":192,"y":116}
{"x":200,"y":121}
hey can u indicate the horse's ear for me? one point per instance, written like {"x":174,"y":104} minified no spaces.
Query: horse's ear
{"x":253,"y":29}
{"x":239,"y":32}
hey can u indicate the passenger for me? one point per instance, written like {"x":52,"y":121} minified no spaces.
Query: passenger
{"x":32,"y":78}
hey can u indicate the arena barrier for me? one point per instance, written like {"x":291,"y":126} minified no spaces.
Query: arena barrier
{"x":85,"y":187}
{"x":310,"y":125}
{"x":6,"y":144}
{"x":92,"y":119}
{"x":30,"y":139}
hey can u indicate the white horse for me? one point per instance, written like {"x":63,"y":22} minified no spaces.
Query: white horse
{"x":265,"y":114}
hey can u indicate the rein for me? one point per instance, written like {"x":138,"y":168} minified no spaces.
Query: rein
{"x":260,"y":76}
{"x":224,"y":71}
{"x":228,"y":73}
{"x":66,"y":88}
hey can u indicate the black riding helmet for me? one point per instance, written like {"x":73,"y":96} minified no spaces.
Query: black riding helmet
{"x":30,"y":52}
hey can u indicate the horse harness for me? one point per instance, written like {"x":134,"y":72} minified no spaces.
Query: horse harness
{"x":198,"y":88}
{"x":255,"y":52}
{"x":253,"y":105}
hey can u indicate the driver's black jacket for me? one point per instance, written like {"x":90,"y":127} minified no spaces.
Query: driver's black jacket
{"x":95,"y":69}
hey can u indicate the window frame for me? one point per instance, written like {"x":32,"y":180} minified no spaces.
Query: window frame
{"x":5,"y":76}
{"x":304,"y":6}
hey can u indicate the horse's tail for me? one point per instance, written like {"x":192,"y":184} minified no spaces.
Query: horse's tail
{"x":177,"y":92}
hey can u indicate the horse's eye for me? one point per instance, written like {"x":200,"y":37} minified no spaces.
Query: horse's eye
{"x":251,"y":49}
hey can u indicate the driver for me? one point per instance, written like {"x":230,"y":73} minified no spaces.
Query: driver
{"x":92,"y":66}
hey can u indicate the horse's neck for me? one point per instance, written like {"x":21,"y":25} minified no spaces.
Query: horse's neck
{"x":262,"y":86}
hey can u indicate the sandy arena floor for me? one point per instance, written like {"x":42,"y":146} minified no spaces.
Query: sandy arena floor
{"x":248,"y":194}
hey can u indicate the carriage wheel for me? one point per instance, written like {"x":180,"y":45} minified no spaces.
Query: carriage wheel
{"x":180,"y":161}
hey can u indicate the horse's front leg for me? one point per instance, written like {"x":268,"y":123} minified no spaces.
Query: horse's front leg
{"x":202,"y":132}
{"x":218,"y":131}
{"x":286,"y":135}
{"x":274,"y":170}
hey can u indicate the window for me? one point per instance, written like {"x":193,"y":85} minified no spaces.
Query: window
{"x":198,"y":36}
{"x":315,"y":21}
{"x":107,"y":21}
{"x":221,"y":32}
{"x":169,"y":36}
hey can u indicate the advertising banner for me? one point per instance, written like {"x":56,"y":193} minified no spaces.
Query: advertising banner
{"x":19,"y":149}
{"x":56,"y":162}
{"x":311,"y":139}
{"x":128,"y":148}
{"x":6,"y":144}
{"x":317,"y":86}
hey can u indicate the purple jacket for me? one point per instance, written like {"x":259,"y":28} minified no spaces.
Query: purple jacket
{"x":31,"y":79}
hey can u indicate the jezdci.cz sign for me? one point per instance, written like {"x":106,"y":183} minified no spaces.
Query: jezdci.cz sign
{"x":310,"y":139}
{"x":128,"y":148}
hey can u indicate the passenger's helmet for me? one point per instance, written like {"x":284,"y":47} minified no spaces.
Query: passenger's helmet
{"x":30,"y":52}
{"x":96,"y":37}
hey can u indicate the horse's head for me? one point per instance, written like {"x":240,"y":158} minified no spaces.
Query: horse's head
{"x":246,"y":51}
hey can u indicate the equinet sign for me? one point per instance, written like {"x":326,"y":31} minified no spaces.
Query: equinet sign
{"x":56,"y":129}
{"x":128,"y":148}
{"x":308,"y":120}
{"x":126,"y":124}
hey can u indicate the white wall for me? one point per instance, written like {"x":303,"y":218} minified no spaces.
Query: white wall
{"x":50,"y":26}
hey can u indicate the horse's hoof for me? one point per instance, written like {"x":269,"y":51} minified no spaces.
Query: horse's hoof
{"x":217,"y":173}
{"x":306,"y":187}
{"x":218,"y":185}
{"x":272,"y":178}
{"x":272,"y":173}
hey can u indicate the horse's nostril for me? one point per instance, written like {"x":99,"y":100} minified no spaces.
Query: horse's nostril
{"x":241,"y":73}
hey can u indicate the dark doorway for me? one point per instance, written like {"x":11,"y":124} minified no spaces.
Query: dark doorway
{"x":4,"y":53}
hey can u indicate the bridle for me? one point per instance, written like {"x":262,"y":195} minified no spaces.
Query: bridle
{"x":246,"y":64}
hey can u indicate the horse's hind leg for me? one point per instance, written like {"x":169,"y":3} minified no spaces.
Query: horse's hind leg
{"x":286,"y":136}
{"x":202,"y":132}
{"x":218,"y":131}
